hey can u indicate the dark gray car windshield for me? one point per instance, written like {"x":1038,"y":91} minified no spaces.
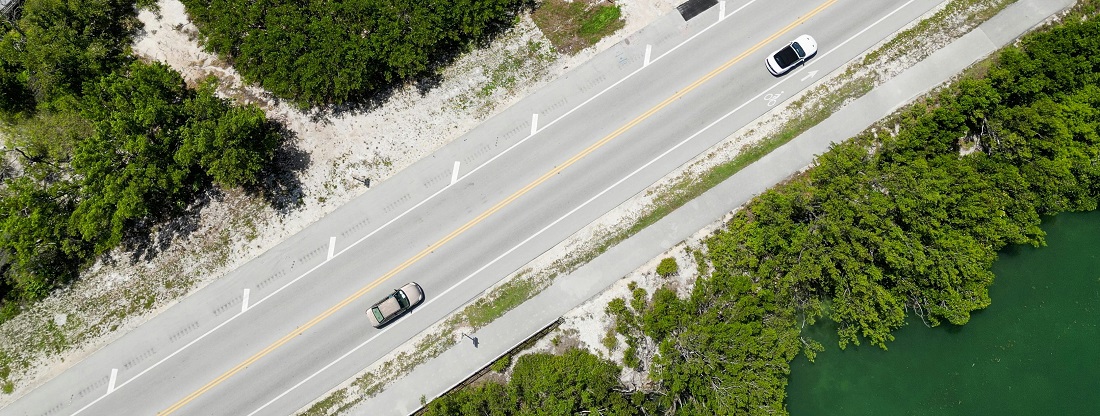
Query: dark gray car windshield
{"x":402,"y":299}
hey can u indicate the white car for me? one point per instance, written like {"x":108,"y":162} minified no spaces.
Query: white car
{"x":791,"y":55}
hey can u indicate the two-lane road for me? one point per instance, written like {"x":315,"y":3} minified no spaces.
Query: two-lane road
{"x":244,"y":344}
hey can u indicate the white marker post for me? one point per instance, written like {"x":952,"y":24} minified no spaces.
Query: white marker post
{"x":534,"y":123}
{"x":648,"y":52}
{"x":721,"y":10}
{"x":331,"y":247}
{"x":454,"y":174}
{"x":244,"y":302}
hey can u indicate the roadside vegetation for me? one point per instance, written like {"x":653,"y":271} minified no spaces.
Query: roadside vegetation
{"x":107,"y":157}
{"x":324,"y":53}
{"x":574,"y":25}
{"x":903,"y":220}
{"x":543,"y":384}
{"x":331,"y":53}
{"x":100,"y":147}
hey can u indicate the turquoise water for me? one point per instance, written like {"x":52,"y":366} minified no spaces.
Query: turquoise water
{"x":1034,"y":351}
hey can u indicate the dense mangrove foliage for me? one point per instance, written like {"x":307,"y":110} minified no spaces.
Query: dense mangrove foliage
{"x":317,"y":53}
{"x":98,"y":147}
{"x":546,"y":384}
{"x":904,"y":220}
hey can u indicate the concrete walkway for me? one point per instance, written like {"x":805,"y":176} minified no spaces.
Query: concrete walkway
{"x":453,"y":366}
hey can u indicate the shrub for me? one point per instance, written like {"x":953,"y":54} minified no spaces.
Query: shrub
{"x":668,"y":267}
{"x":501,"y":363}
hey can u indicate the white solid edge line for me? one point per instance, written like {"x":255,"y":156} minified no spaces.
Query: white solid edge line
{"x":406,"y":212}
{"x":858,"y":33}
{"x":563,"y":217}
{"x":173,"y":354}
{"x":307,"y":379}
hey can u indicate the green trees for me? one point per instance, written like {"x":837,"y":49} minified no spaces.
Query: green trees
{"x":126,"y":169}
{"x":889,"y":224}
{"x":231,"y":144}
{"x":330,"y":52}
{"x":156,"y":144}
{"x":544,"y":384}
{"x":71,"y":42}
{"x":40,"y":249}
{"x":14,"y":95}
{"x":724,"y":350}
{"x":98,"y":147}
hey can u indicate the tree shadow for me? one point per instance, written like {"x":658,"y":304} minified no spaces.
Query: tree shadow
{"x":145,"y":239}
{"x":432,"y":76}
{"x":428,"y":82}
{"x":951,"y":328}
{"x":364,"y":102}
{"x":279,"y":185}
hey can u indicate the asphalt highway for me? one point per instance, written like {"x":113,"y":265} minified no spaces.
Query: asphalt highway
{"x":259,"y":340}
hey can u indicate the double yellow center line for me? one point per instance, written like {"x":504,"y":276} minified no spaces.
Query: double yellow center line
{"x":500,"y":205}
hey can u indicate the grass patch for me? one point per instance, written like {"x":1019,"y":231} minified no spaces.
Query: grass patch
{"x":501,"y":364}
{"x":5,"y":371}
{"x":604,"y":20}
{"x":955,"y":19}
{"x":1084,"y":9}
{"x":503,"y":299}
{"x":505,"y":75}
{"x":573,"y":26}
{"x":515,"y":68}
{"x":329,"y":405}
